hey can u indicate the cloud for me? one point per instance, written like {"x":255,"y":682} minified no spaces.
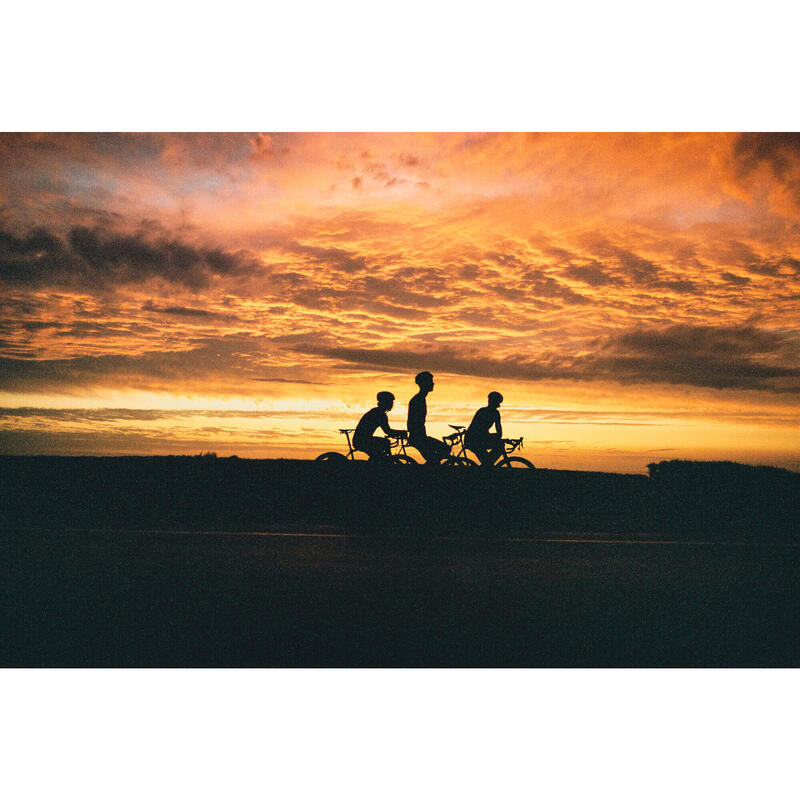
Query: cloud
{"x":717,"y":358}
{"x":226,"y":365}
{"x":738,"y":280}
{"x":333,"y":257}
{"x":185,"y":311}
{"x":98,"y":259}
{"x":125,"y":260}
{"x":141,"y":414}
{"x":544,"y":286}
{"x":593,"y":275}
{"x":780,"y":151}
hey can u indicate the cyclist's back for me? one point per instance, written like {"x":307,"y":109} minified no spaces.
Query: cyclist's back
{"x":483,"y":420}
{"x":374,"y":418}
{"x":487,"y":446}
{"x":363,"y":436}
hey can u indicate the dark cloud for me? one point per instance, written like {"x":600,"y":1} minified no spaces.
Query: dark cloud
{"x":773,"y":268}
{"x":288,"y":380}
{"x":187,"y":311}
{"x":142,"y":414}
{"x":504,"y":259}
{"x":442,"y":360}
{"x":738,"y":280}
{"x":407,"y":159}
{"x":400,"y":312}
{"x":85,"y":330}
{"x":781,"y":151}
{"x":33,"y":326}
{"x":393,"y":289}
{"x":717,"y":358}
{"x":231,"y":360}
{"x":100,"y":259}
{"x":333,"y":257}
{"x":638,"y":271}
{"x":593,"y":275}
{"x":680,"y":286}
{"x":543,"y":286}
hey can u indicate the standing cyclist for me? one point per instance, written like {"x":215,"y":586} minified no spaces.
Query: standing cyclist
{"x":432,"y":450}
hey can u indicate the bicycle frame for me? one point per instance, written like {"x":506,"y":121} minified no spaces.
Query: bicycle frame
{"x":509,"y":446}
{"x":457,"y":440}
{"x":351,"y":451}
{"x":397,"y":448}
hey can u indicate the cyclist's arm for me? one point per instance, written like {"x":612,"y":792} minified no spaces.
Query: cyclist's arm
{"x":498,"y":427}
{"x":391,"y":431}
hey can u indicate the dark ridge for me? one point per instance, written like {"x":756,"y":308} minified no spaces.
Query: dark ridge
{"x":680,"y":499}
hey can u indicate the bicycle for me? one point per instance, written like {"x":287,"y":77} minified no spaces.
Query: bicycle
{"x":398,"y":442}
{"x":459,"y":458}
{"x":512,"y":462}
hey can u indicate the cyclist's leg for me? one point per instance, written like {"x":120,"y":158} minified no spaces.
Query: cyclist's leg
{"x":478,"y":446}
{"x":495,"y":447}
{"x":379,"y":448}
{"x":432,"y":450}
{"x":440,"y":449}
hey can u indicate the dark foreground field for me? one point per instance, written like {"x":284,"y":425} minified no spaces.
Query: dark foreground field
{"x":170,"y":599}
{"x":355,"y":568}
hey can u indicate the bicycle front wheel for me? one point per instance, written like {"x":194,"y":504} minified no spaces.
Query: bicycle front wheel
{"x":458,"y":461}
{"x":401,"y":459}
{"x":331,"y":458}
{"x":515,"y":462}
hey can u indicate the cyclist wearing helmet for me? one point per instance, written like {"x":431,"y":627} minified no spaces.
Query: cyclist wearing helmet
{"x":363,"y":439}
{"x":432,"y":450}
{"x":487,"y":446}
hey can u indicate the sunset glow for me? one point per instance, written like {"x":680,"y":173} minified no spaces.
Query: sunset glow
{"x":635,"y":297}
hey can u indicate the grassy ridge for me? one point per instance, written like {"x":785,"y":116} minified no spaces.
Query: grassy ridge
{"x":714,"y":500}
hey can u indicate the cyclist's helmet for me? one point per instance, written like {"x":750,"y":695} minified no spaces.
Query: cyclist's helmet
{"x":384,"y":396}
{"x":495,"y":398}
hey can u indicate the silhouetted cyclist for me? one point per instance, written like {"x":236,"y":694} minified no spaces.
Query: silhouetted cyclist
{"x":487,"y":446}
{"x":363,"y":439}
{"x":432,"y":450}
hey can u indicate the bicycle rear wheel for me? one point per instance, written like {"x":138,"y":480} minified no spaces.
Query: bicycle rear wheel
{"x":401,"y":459}
{"x":458,"y":461}
{"x":331,"y":458}
{"x":515,"y":462}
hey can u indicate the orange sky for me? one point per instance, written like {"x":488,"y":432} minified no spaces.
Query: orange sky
{"x":635,"y":297}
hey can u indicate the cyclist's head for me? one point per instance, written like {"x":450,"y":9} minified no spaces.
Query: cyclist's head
{"x":424,"y":380}
{"x":495,"y":398}
{"x":385,"y":400}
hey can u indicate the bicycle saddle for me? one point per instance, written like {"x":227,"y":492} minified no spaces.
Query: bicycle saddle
{"x":458,"y":427}
{"x":346,"y":430}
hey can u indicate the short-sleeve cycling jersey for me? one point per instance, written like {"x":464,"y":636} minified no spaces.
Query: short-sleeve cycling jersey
{"x":483,"y":420}
{"x":374,"y":418}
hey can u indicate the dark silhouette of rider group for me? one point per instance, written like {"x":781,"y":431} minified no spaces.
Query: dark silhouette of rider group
{"x":487,"y":445}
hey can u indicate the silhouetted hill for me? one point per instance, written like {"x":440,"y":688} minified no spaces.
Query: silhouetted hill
{"x":679,"y":499}
{"x":723,"y":496}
